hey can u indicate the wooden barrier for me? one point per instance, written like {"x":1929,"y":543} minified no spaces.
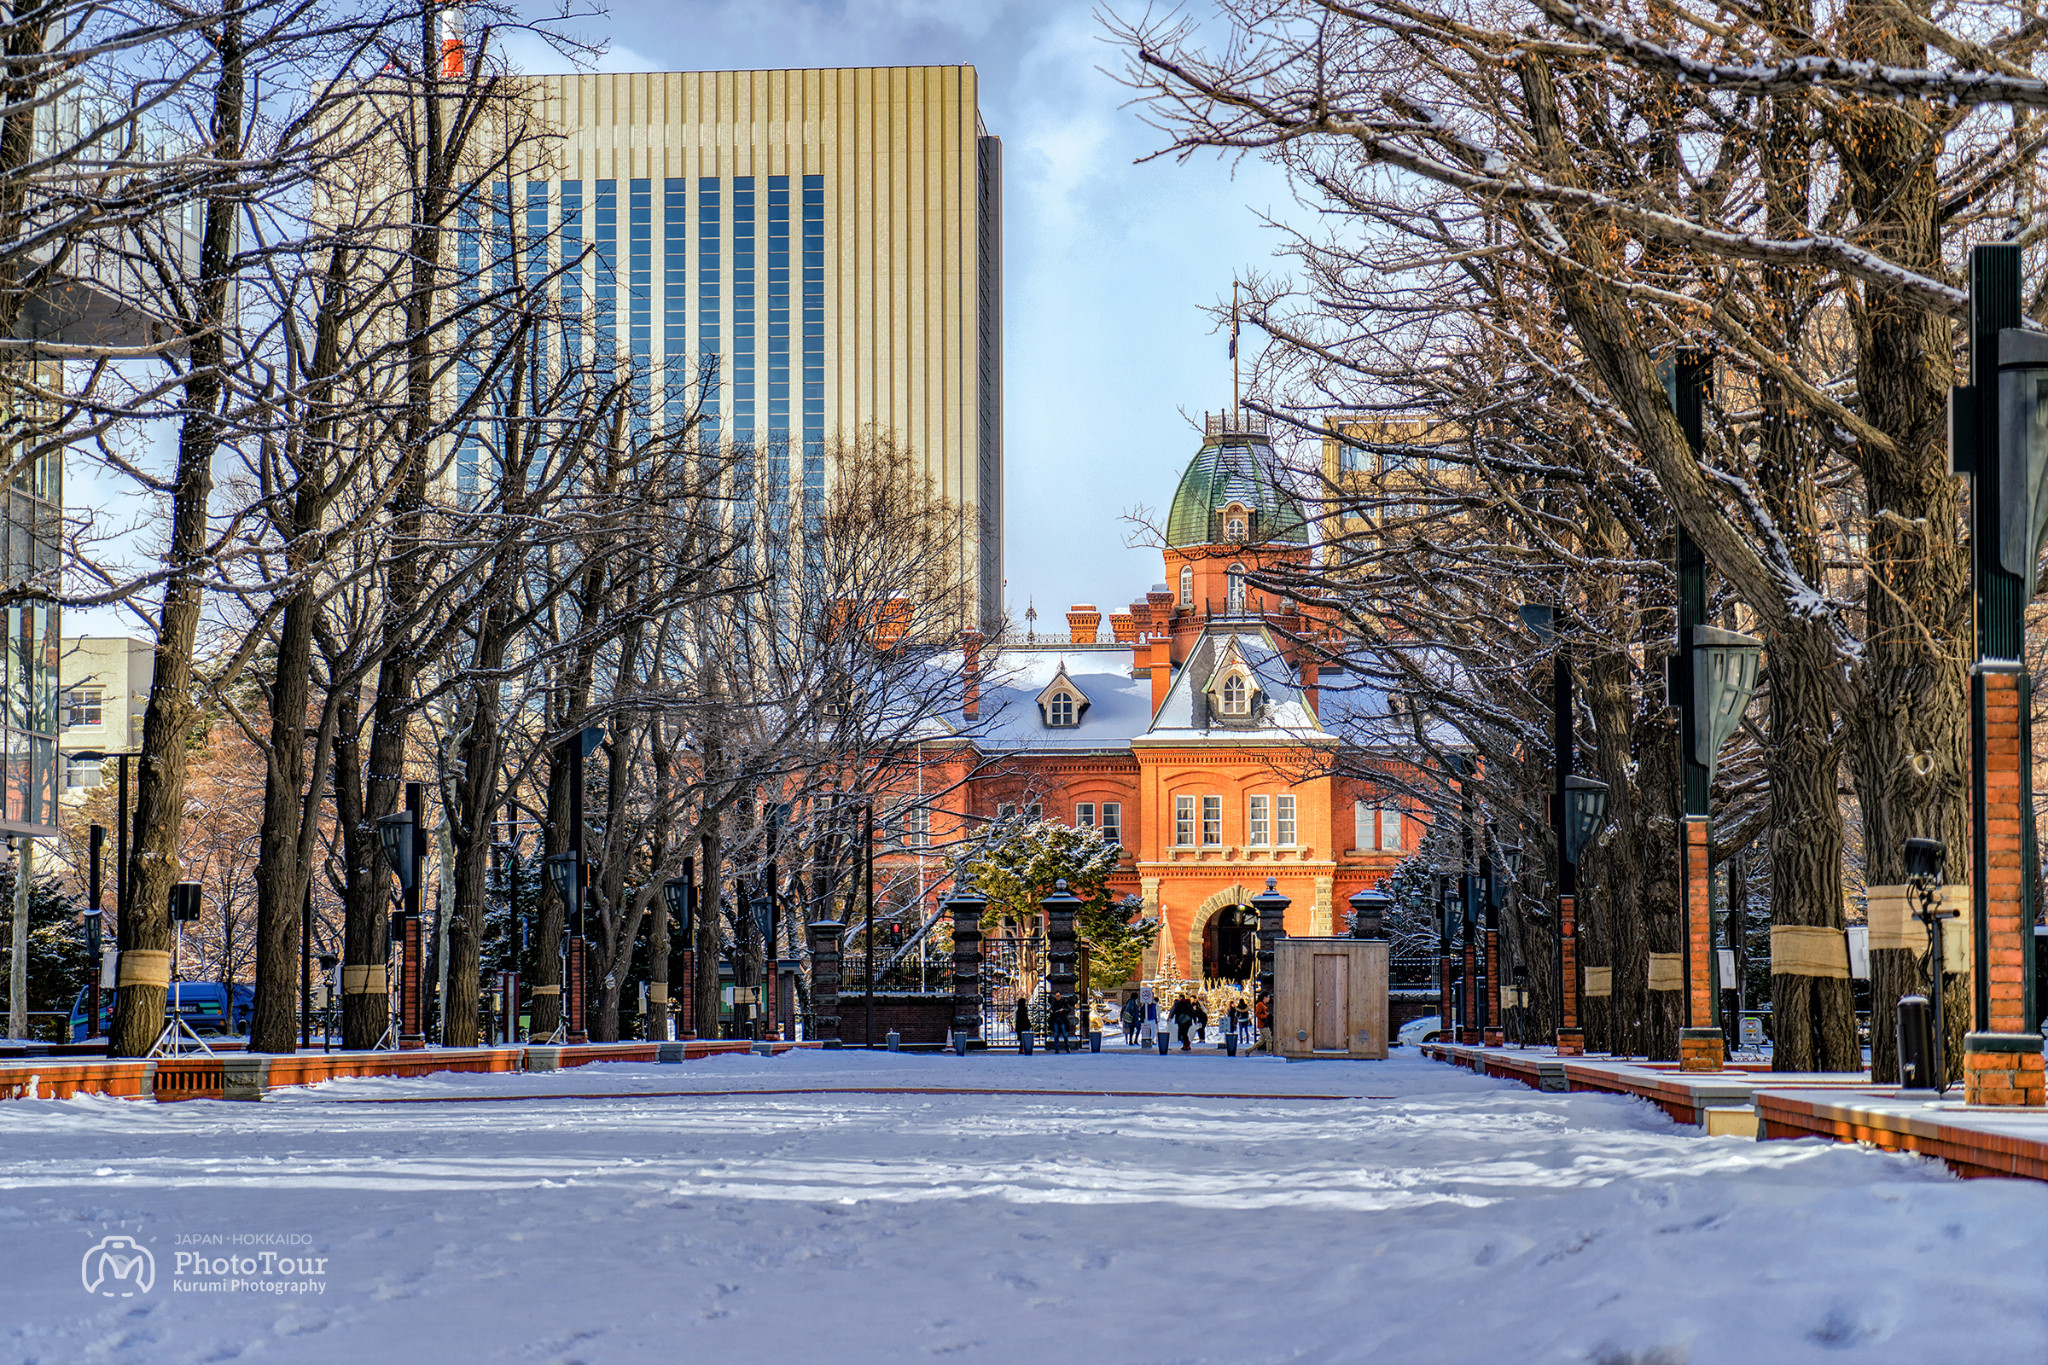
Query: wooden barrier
{"x":249,"y":1076}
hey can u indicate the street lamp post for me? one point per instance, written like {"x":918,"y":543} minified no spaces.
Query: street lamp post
{"x":1582,"y":809}
{"x":565,"y":874}
{"x":1577,"y":804}
{"x":2000,"y":439}
{"x":400,"y":835}
{"x":1491,"y":1031}
{"x":675,"y":894}
{"x":1922,"y":1063}
{"x":1713,"y":678}
{"x":98,"y":840}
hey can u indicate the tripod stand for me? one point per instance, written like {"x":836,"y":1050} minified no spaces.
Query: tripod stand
{"x":172,"y":1041}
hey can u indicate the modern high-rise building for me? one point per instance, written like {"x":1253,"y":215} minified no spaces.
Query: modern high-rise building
{"x":828,"y":243}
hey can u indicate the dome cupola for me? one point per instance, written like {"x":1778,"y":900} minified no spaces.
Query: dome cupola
{"x":1228,"y":493}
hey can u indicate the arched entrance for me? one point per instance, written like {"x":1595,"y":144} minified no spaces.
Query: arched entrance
{"x":1230,"y":946}
{"x":1223,"y":938}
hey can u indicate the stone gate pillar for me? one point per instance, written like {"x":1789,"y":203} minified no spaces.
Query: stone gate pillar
{"x":1060,"y":908}
{"x":1272,"y":911}
{"x":966,"y":908}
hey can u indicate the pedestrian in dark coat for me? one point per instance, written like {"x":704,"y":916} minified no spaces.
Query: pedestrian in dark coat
{"x":1183,"y":1019}
{"x":1023,"y":1017}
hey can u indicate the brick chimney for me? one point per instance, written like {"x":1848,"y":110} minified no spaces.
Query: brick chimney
{"x":1083,"y":621}
{"x":970,"y":670}
{"x":1123,"y":628}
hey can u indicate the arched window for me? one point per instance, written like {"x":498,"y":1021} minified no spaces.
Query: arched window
{"x":1236,"y":581}
{"x":1061,"y":710}
{"x":1233,"y":529}
{"x":1236,"y":697}
{"x":1187,"y":585}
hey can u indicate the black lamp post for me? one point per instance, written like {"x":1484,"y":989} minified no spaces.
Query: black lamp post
{"x":396,"y":833}
{"x":564,"y":874}
{"x":1586,"y":808}
{"x":404,"y":850}
{"x":676,"y":892}
{"x":1999,"y":437}
{"x":1923,"y":1065}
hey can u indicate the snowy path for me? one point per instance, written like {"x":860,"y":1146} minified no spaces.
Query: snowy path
{"x":1433,"y":1216}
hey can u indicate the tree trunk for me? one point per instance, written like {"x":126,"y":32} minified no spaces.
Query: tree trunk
{"x":366,"y":904}
{"x":167,"y":721}
{"x":1814,"y":1022}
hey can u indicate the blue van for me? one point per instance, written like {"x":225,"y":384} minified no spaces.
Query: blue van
{"x":212,"y":1008}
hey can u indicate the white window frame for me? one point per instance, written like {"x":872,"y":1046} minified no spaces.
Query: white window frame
{"x":1212,"y":822}
{"x":1390,"y":831}
{"x":1113,"y":822}
{"x":1183,"y":822}
{"x":1187,"y":585}
{"x":1233,"y":593}
{"x":1284,"y":830}
{"x":1060,"y":711}
{"x":1233,"y":528}
{"x":1258,"y":826}
{"x":1084,"y":815}
{"x":1365,"y":827}
{"x":78,"y":699}
{"x":1241,"y":703}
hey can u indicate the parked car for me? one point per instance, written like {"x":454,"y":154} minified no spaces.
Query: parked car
{"x":212,"y":1008}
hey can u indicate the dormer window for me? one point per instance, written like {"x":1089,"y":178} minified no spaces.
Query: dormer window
{"x":1062,"y":704}
{"x":1233,"y":528}
{"x":1236,"y":696}
{"x":1233,"y":689}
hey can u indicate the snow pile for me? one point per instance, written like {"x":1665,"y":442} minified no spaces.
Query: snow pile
{"x":1393,"y":1211}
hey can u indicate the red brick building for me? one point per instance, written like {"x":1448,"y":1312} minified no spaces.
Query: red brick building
{"x":1191,"y":725}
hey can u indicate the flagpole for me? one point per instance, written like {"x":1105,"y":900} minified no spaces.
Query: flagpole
{"x":1233,"y":351}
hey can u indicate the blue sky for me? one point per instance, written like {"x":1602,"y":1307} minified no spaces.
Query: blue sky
{"x":1108,"y":263}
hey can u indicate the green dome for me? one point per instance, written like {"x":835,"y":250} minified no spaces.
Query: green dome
{"x":1233,"y":466}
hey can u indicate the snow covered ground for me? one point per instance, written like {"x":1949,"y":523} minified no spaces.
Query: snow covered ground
{"x":1427,"y":1215}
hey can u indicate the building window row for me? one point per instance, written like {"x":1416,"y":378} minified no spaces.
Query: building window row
{"x":1112,"y":819}
{"x":1270,"y":822}
{"x":1375,"y":829}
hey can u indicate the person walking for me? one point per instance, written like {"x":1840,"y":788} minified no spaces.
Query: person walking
{"x":1183,"y":1017}
{"x":1131,"y":1019}
{"x":1201,"y":1022}
{"x":1062,"y":1020}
